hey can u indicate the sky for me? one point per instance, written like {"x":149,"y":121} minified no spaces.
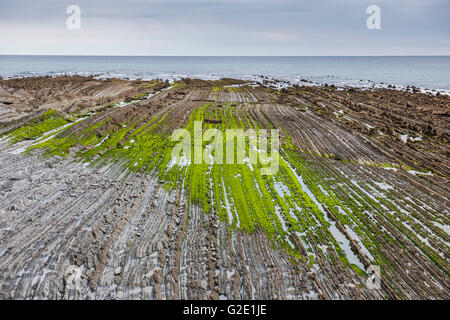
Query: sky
{"x":225,"y":27}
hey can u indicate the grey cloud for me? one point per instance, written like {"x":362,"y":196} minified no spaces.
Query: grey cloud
{"x":236,"y":27}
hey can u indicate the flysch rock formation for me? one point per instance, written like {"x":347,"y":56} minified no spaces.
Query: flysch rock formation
{"x":129,"y":236}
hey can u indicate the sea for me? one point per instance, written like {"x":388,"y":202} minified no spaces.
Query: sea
{"x":429,"y":73}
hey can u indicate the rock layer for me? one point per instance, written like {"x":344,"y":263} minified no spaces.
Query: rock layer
{"x":346,"y":198}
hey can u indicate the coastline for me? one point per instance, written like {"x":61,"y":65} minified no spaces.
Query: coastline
{"x":424,"y":72}
{"x":274,"y":82}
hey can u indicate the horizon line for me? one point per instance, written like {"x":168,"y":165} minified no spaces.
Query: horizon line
{"x":219,"y":56}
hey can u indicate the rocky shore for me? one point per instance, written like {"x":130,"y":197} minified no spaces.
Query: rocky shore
{"x":86,"y":184}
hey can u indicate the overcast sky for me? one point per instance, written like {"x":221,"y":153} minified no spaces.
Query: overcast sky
{"x":225,"y":27}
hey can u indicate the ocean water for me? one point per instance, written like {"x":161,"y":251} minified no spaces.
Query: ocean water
{"x":426,"y":72}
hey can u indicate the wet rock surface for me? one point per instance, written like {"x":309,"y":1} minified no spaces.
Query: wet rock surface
{"x":130,"y":237}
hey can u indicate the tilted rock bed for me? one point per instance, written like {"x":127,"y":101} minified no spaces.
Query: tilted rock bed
{"x":99,"y":191}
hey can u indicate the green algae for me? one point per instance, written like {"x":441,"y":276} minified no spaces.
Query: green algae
{"x":48,"y":121}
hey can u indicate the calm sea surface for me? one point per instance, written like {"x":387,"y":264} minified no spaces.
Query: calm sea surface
{"x":431,"y":72}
